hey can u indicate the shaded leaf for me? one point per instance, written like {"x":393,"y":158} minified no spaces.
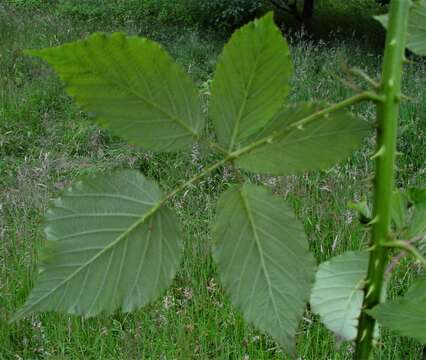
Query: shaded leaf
{"x":110,"y":245}
{"x":132,"y":86}
{"x":417,"y":222}
{"x":417,"y":289}
{"x":338,"y":292}
{"x":417,"y":195}
{"x":406,"y":315}
{"x":399,"y":209}
{"x":318,"y":145}
{"x":363,"y":210}
{"x":263,"y":259}
{"x":250,"y":82}
{"x":416,"y":32}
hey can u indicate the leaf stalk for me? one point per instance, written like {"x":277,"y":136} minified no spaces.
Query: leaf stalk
{"x":405,"y":245}
{"x":230,"y":157}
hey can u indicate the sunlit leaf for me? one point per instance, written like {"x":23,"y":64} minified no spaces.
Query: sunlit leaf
{"x":317,"y":145}
{"x":250,"y":82}
{"x":338,"y":293}
{"x":110,"y":245}
{"x":263,"y":259}
{"x":132,"y":86}
{"x":406,"y":315}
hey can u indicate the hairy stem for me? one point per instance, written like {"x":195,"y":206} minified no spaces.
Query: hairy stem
{"x":387,"y":116}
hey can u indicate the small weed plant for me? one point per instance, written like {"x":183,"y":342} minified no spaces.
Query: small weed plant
{"x":113,"y":242}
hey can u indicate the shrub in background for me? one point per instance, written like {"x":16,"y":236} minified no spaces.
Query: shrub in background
{"x":229,"y":14}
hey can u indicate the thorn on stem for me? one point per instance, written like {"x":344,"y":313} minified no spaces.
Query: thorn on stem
{"x":370,"y":291}
{"x":374,"y":220}
{"x":379,"y":153}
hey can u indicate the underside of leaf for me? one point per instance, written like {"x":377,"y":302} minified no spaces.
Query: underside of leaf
{"x":316,"y":145}
{"x":338,"y":293}
{"x":110,"y":245}
{"x":263,"y":260}
{"x":131,"y":86}
{"x":405,"y":315}
{"x":250,"y":82}
{"x":416,"y":31}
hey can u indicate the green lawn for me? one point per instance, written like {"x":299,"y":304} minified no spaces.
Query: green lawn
{"x":46,"y":142}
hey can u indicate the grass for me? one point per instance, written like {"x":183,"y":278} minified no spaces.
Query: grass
{"x":46,"y":143}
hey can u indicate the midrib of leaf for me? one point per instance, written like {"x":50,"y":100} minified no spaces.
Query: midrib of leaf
{"x":94,"y":258}
{"x":146,"y":100}
{"x":352,"y":294}
{"x":259,"y":247}
{"x":112,"y":196}
{"x":135,"y":283}
{"x":243,"y":105}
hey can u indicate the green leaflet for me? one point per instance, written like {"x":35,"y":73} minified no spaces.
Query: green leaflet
{"x":338,"y":293}
{"x":317,"y":145}
{"x":110,"y":245}
{"x":264,"y":263}
{"x":408,"y":213}
{"x":363,"y":210}
{"x":399,"y":209}
{"x":416,"y":227}
{"x":406,"y":315}
{"x":250,"y":82}
{"x":417,"y":195}
{"x":132,"y":86}
{"x":416,"y":32}
{"x":417,"y":223}
{"x":417,"y":289}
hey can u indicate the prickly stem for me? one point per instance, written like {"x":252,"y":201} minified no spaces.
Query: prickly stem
{"x":387,"y":116}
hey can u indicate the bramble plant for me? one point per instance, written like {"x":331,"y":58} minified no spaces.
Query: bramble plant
{"x":114,"y":244}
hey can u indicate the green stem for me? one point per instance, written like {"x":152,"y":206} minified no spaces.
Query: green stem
{"x":366,"y":95}
{"x":408,"y":248}
{"x":212,"y":144}
{"x":194,"y":179}
{"x":365,"y":77}
{"x":387,"y":115}
{"x":230,"y":157}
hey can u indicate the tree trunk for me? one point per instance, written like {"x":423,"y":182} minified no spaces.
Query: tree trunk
{"x":308,"y":11}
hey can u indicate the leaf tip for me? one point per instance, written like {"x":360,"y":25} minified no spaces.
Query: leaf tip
{"x":18,"y":315}
{"x":32,"y":52}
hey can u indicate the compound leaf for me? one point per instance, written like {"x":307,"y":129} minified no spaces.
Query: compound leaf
{"x":416,"y":32}
{"x":110,"y":245}
{"x":250,"y":82}
{"x":132,"y":86}
{"x":317,"y":145}
{"x":406,"y":315}
{"x":263,"y":258}
{"x":338,"y":293}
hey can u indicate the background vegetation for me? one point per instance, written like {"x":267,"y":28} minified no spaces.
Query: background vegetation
{"x":46,"y":143}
